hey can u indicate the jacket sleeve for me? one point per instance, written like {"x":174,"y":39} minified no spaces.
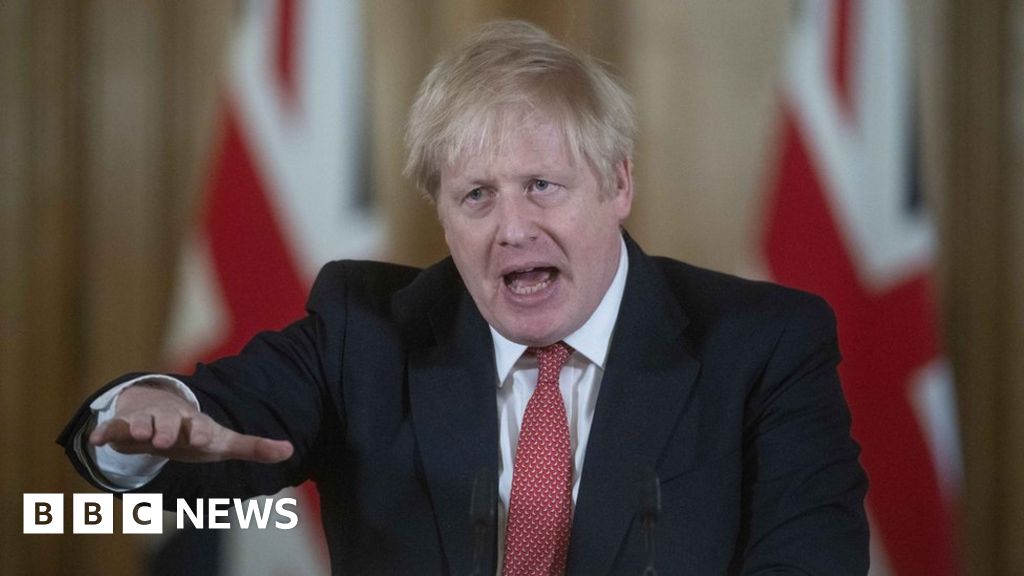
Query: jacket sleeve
{"x":276,"y":387}
{"x":804,"y":489}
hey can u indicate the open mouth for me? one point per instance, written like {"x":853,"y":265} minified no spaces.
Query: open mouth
{"x":530,"y":280}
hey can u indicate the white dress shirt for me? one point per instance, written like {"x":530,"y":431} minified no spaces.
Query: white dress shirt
{"x":579,"y":382}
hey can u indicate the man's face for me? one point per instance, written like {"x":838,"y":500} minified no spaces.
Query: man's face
{"x":532,"y":233}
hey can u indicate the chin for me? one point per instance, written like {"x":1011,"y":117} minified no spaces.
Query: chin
{"x":533,"y":327}
{"x":536,"y":337}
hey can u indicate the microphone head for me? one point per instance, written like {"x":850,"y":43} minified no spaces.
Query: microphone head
{"x":650,"y":494}
{"x":483,"y":503}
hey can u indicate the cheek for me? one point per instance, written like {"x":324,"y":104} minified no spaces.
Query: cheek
{"x":590,"y":226}
{"x":466,"y":249}
{"x":451,"y":228}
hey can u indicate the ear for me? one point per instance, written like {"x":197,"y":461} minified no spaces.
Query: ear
{"x":442,"y":219}
{"x":622,"y":194}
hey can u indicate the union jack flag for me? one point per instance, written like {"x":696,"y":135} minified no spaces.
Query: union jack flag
{"x":285,"y":196}
{"x":845,"y":219}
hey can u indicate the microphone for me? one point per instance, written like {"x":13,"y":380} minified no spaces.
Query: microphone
{"x":481,"y":513}
{"x":650,"y":507}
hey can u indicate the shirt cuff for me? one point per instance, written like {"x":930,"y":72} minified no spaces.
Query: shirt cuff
{"x":121,"y":472}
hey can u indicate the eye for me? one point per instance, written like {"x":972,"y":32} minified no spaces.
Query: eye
{"x":541,"y":185}
{"x":477,"y":199}
{"x":545,"y":192}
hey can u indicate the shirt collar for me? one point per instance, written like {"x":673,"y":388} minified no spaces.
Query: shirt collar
{"x":592,"y":339}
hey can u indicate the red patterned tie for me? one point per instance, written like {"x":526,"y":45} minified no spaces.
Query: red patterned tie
{"x":540,"y":511}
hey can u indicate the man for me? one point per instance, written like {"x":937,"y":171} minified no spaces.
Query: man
{"x":548,"y":352}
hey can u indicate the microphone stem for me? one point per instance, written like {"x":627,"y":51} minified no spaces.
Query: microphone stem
{"x":649,"y":546}
{"x":478,"y":545}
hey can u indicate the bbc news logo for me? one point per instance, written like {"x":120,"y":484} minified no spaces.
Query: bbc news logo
{"x":43,"y":513}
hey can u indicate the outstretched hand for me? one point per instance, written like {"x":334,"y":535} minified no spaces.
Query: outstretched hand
{"x":156,"y":420}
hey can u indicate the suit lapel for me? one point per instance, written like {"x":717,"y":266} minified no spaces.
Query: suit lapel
{"x":648,"y":380}
{"x":452,"y":382}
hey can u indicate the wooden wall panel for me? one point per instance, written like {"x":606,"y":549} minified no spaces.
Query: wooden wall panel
{"x":399,"y":50}
{"x":105,"y":120}
{"x":980,"y":302}
{"x":122,"y":93}
{"x":1013,"y":559}
{"x":14,"y":120}
{"x":40,"y":266}
{"x":704,"y":75}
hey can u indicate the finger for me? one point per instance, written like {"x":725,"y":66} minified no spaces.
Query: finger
{"x":116,"y":433}
{"x":198,"y":430}
{"x":140,"y":426}
{"x":133,"y":447}
{"x":166,"y":429}
{"x":113,"y":430}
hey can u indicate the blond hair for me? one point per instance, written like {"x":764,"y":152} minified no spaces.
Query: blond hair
{"x":473,"y":97}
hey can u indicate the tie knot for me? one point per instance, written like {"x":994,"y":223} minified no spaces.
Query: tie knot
{"x":557,"y":352}
{"x":550,"y":360}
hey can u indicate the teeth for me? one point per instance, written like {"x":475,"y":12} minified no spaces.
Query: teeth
{"x":524,"y":290}
{"x":529,"y":280}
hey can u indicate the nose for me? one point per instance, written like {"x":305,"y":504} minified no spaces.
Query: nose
{"x":517,"y":220}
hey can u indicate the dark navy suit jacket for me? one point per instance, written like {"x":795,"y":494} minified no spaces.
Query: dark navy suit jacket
{"x":727,"y":388}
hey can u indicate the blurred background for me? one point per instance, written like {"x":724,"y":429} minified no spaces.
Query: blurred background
{"x":172,"y":174}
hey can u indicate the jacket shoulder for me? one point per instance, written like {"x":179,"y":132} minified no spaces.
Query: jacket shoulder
{"x":372,"y":283}
{"x":709,"y":297}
